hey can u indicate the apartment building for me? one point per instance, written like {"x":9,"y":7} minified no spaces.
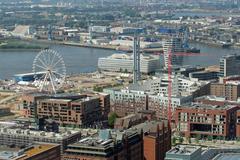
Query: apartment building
{"x":124,"y":102}
{"x":207,"y":120}
{"x":67,"y":109}
{"x":230,"y":90}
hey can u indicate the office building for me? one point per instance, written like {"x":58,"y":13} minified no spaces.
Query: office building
{"x":36,"y":151}
{"x":127,"y":30}
{"x":191,"y":152}
{"x":23,"y":137}
{"x":182,"y":152}
{"x":5,"y":111}
{"x":99,"y":29}
{"x":204,"y":75}
{"x":172,"y":46}
{"x":153,"y":95}
{"x":230,"y":90}
{"x":229,"y":65}
{"x":107,"y":145}
{"x":124,"y":63}
{"x":67,"y":109}
{"x":207,"y":120}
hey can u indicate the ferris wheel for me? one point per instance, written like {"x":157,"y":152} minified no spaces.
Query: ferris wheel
{"x":49,"y":71}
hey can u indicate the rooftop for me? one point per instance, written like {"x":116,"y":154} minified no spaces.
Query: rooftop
{"x":16,"y":153}
{"x":36,"y":149}
{"x":184,"y":150}
{"x":40,"y":134}
{"x":64,"y":97}
{"x":208,"y":106}
{"x":128,"y":57}
{"x":227,"y":156}
{"x":212,"y":98}
{"x":148,"y":126}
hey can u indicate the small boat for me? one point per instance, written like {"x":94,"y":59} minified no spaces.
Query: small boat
{"x":192,"y":50}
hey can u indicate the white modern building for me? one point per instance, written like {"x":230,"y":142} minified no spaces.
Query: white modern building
{"x":181,"y":86}
{"x":153,"y":95}
{"x":100,"y":29}
{"x":124,"y":63}
{"x":126,"y":30}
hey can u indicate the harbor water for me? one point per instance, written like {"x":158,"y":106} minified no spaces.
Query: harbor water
{"x":80,"y":60}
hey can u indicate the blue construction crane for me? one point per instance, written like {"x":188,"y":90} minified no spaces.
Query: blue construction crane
{"x":185,"y":37}
{"x":50,"y":33}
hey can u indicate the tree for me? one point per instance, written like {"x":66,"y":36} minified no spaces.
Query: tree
{"x":131,"y":13}
{"x":174,"y":141}
{"x":180,"y":139}
{"x":98,"y":89}
{"x":112,"y":118}
{"x":198,"y":137}
{"x":209,"y":138}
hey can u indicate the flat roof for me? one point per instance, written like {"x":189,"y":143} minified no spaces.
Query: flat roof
{"x":94,"y":142}
{"x":41,"y":134}
{"x":207,"y":106}
{"x":227,"y":156}
{"x":148,"y":126}
{"x":37,"y":149}
{"x":183,"y":150}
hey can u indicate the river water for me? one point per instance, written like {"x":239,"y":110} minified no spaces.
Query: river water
{"x":79,"y":60}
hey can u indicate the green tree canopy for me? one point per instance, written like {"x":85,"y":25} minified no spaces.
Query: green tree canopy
{"x":112,"y":118}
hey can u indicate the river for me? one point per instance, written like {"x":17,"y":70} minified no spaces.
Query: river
{"x":79,"y":60}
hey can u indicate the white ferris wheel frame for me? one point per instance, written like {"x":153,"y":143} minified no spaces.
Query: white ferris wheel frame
{"x":51,"y":66}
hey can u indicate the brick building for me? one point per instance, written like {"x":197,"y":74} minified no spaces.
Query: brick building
{"x":65,"y":109}
{"x":157,"y":141}
{"x":230,"y":90}
{"x":124,"y":102}
{"x":238,"y":125}
{"x":207,"y":120}
{"x":107,"y":145}
{"x":221,"y":101}
{"x":156,"y":134}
